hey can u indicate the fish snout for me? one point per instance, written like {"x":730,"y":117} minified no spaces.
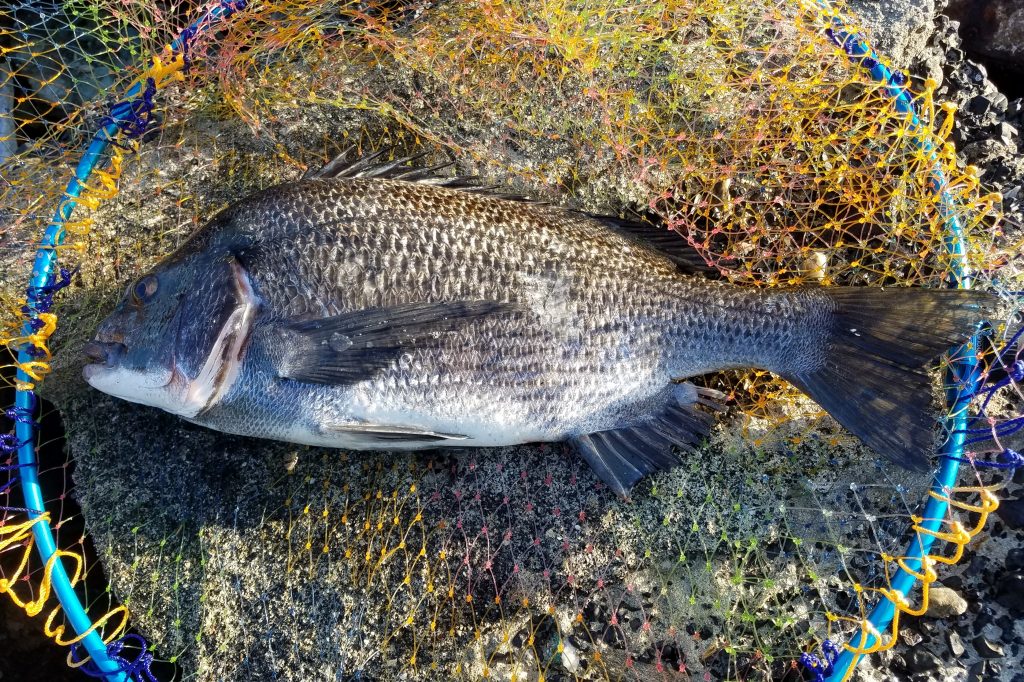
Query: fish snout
{"x":103,"y":352}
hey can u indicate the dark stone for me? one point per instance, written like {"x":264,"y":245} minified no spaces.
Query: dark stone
{"x":1011,"y":511}
{"x":1011,"y":593}
{"x":985,"y":616}
{"x":976,"y":72}
{"x":977,"y":672}
{"x":979,"y":105}
{"x":993,"y":30}
{"x":954,"y":55}
{"x":920,"y":660}
{"x":979,"y":154}
{"x":987,"y":648}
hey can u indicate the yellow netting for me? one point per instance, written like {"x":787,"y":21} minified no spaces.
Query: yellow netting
{"x":738,"y":123}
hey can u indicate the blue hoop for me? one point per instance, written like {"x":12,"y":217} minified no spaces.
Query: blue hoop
{"x":132,"y":118}
{"x":962,"y":377}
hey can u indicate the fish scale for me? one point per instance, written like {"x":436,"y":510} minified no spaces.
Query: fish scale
{"x":357,"y":310}
{"x":553,"y":380}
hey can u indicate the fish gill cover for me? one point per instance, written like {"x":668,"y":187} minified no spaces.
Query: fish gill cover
{"x":744,"y":126}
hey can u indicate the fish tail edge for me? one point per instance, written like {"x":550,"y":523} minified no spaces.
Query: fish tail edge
{"x":873,"y":377}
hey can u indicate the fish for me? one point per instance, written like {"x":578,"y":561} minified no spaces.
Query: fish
{"x":377,"y":305}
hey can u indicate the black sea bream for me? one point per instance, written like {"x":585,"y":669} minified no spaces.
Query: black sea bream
{"x":380,"y":308}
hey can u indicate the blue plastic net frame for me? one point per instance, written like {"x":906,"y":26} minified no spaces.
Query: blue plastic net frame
{"x":962,"y":377}
{"x":130,"y":117}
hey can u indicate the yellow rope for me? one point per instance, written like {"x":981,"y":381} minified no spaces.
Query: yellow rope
{"x":957,"y":535}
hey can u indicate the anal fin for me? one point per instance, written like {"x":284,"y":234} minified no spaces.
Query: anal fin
{"x":621,"y":457}
{"x":391,"y":433}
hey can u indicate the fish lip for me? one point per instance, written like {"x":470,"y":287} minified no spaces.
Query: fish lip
{"x":103,"y":354}
{"x":90,"y":370}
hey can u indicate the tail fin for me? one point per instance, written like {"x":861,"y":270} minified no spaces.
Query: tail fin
{"x":874,"y":378}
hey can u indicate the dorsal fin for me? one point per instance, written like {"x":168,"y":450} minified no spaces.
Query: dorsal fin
{"x":662,"y":239}
{"x":640,"y":230}
{"x":370,"y":166}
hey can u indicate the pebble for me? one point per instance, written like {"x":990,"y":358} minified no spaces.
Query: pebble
{"x":956,"y":645}
{"x":910,"y":637}
{"x":979,"y":105}
{"x":985,"y":616}
{"x":977,"y":672}
{"x":986,"y":648}
{"x":1006,"y":133}
{"x":944,"y":602}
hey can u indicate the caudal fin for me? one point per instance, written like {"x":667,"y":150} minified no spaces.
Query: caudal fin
{"x":874,"y":379}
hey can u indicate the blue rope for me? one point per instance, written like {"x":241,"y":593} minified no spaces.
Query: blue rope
{"x":964,"y":364}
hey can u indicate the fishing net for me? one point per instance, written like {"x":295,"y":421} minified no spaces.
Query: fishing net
{"x":767,"y":135}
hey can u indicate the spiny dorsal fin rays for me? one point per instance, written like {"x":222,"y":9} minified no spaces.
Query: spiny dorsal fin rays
{"x":400,"y":169}
{"x":661,"y":239}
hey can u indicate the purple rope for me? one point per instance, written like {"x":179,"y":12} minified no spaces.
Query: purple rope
{"x":9,"y":443}
{"x":137,"y":670}
{"x":1007,"y":459}
{"x":819,"y":668}
{"x":133,"y":117}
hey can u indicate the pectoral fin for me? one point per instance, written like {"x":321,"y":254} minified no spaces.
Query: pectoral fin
{"x":353,"y":347}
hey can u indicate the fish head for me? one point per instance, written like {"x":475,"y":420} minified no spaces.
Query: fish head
{"x":177,"y":338}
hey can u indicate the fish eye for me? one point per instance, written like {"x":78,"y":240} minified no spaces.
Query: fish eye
{"x":144,"y":290}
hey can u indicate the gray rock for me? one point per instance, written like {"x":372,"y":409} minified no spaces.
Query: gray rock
{"x":993,"y":29}
{"x":956,"y":644}
{"x":980,"y":153}
{"x":944,"y":602}
{"x":920,"y":660}
{"x":899,"y":29}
